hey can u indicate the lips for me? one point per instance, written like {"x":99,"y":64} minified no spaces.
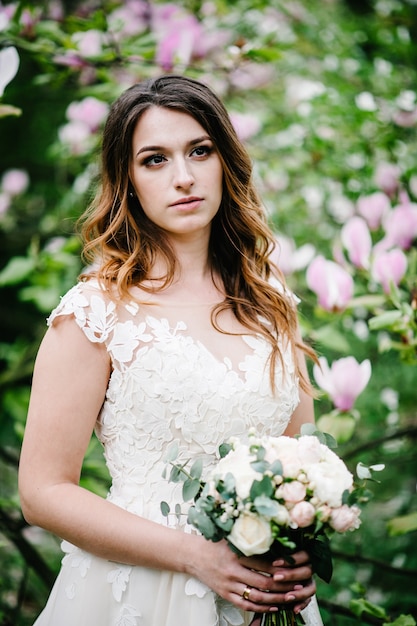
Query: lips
{"x":185,"y":201}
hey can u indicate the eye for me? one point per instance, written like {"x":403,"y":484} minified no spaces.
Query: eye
{"x":202,"y":151}
{"x":155,"y":159}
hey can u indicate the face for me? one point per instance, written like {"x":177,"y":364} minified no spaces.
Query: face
{"x":176,"y":172}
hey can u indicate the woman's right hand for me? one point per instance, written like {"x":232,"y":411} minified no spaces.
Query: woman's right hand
{"x":254,"y":583}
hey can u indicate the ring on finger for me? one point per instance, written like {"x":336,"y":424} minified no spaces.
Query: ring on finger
{"x":246,"y":593}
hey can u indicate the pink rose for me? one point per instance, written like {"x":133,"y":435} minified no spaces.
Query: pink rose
{"x":332,"y":283}
{"x":293,"y":491}
{"x":345,"y":518}
{"x":302,"y":514}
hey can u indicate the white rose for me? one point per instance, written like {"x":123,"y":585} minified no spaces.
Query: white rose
{"x":345,"y":518}
{"x":237,"y":462}
{"x":302,"y":514}
{"x":251,"y":534}
{"x":284,"y":449}
{"x":330,"y":479}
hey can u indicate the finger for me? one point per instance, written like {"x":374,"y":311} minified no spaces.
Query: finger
{"x":302,"y":573}
{"x":297,"y":558}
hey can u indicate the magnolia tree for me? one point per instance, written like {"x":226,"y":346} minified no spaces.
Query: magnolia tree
{"x":325,"y":101}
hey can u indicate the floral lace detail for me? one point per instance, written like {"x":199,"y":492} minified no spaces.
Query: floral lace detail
{"x":167,"y":386}
{"x":128,"y":615}
{"x":119,"y":578}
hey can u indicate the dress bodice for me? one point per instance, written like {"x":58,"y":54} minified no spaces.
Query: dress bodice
{"x":174,"y":378}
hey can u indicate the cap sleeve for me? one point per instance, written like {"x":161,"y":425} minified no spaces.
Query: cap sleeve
{"x":91,"y":308}
{"x":284,"y":290}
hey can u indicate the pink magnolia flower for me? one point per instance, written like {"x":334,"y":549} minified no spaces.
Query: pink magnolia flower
{"x":330,"y":282}
{"x":9,"y":64}
{"x":75,"y":135}
{"x":245,"y":125}
{"x":14,"y":182}
{"x":70,"y":59}
{"x":89,"y":111}
{"x":400,"y":225}
{"x":89,"y":43}
{"x":387,"y":177}
{"x":288,"y":258}
{"x":373,"y":208}
{"x":130,"y":19}
{"x":389,"y":267}
{"x":344,"y":381}
{"x":180,"y":36}
{"x":356,"y":239}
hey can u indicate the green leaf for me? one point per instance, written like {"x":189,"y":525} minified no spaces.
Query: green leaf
{"x":329,"y":337}
{"x":403,"y":620}
{"x":276,"y":468}
{"x":224,"y":449}
{"x":266,"y":507}
{"x":360,"y":606}
{"x":17,"y":270}
{"x":385,"y":320}
{"x":176,"y":474}
{"x":190,"y":489}
{"x":165,"y":509}
{"x":321,"y":557}
{"x":260,"y":466}
{"x":402,"y":525}
{"x":263,"y":487}
{"x":197,"y":468}
{"x":203,"y":523}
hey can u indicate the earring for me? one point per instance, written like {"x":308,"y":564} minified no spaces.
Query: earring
{"x":131,"y":194}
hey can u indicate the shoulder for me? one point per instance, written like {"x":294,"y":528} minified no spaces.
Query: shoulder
{"x":91,"y":307}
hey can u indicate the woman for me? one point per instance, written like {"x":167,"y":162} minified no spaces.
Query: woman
{"x":180,"y":332}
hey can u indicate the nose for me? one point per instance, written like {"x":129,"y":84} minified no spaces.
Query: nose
{"x":183,"y":176}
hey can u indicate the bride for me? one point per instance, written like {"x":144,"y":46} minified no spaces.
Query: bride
{"x":180,"y":331}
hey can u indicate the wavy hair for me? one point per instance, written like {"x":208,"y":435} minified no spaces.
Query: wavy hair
{"x":123,"y":243}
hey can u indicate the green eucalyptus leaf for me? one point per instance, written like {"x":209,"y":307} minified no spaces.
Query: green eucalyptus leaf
{"x":266,"y":507}
{"x":190,"y":489}
{"x":224,"y":449}
{"x":263,"y":487}
{"x":197,"y":468}
{"x":165,"y":509}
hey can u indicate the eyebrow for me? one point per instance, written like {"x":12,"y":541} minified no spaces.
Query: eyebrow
{"x":191,"y":143}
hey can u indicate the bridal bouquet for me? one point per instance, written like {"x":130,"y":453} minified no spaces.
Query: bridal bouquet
{"x":275,"y":496}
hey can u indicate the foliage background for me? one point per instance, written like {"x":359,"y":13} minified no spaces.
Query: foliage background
{"x":294,"y":70}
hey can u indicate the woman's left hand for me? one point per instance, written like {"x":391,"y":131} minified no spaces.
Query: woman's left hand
{"x":292,"y":579}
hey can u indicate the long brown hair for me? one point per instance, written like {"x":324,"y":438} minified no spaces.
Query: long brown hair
{"x":123,"y":243}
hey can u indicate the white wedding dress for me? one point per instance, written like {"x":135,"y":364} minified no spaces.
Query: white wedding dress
{"x":174,"y":378}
